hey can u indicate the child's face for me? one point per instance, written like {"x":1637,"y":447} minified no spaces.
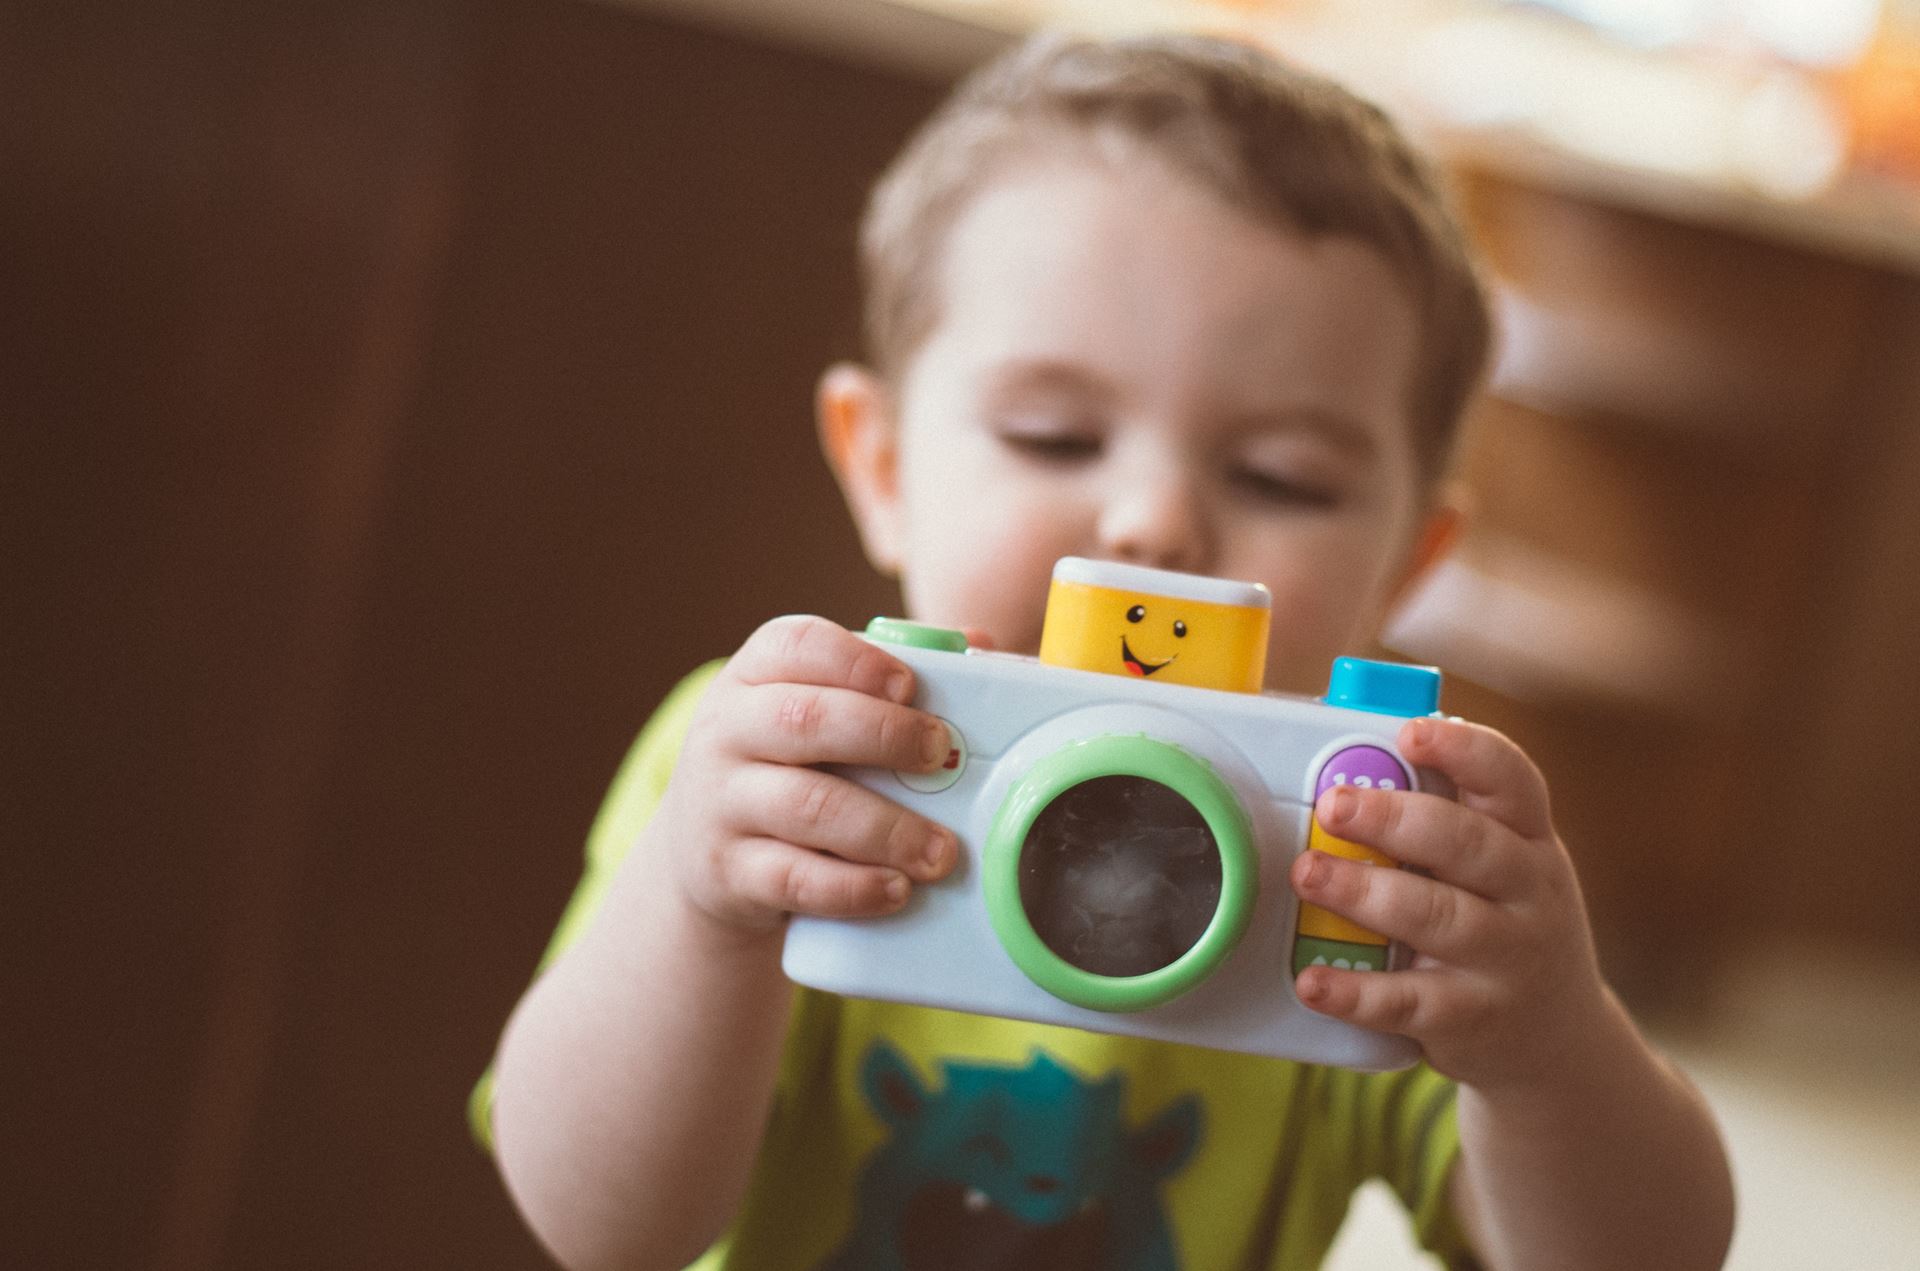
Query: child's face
{"x":1127,"y":368}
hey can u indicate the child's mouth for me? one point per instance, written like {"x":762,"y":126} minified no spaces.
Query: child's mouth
{"x":1134,"y":665}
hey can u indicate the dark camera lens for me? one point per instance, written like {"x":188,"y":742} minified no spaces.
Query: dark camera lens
{"x":1120,"y":876}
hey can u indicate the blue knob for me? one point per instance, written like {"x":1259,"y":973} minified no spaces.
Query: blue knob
{"x":1388,"y":688}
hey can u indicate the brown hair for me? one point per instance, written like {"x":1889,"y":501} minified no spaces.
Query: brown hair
{"x":1287,"y":147}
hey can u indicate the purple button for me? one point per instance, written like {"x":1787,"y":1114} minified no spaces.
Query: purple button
{"x":1363,"y":766}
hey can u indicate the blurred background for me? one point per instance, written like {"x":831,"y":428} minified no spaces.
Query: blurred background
{"x":401,"y":394}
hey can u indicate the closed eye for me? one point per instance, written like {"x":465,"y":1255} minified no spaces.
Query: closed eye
{"x":1055,"y":448}
{"x":1282,"y":491}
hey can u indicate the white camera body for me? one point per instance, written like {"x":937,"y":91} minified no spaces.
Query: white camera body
{"x":1005,"y":933}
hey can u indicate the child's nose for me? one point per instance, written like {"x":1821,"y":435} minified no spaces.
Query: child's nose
{"x":1157,"y":521}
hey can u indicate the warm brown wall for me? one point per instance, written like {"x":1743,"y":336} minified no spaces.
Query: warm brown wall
{"x":400,"y":397}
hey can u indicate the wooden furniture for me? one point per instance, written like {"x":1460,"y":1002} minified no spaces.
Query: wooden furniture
{"x":1699,"y":449}
{"x":401,"y":396}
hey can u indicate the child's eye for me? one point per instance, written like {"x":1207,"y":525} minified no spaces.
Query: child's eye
{"x":1052,"y":447}
{"x":1279,"y":489}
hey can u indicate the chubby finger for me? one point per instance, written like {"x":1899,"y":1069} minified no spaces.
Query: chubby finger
{"x":1418,"y":1004}
{"x":783,"y":878}
{"x":1456,"y":843}
{"x":828,"y":813}
{"x":802,"y":649}
{"x":806,"y":724}
{"x":1434,"y":917}
{"x":1492,"y":774}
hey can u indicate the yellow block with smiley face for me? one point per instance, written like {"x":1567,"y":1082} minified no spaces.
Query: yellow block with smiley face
{"x":1155,"y":623}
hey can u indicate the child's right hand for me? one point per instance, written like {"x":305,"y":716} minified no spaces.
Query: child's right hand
{"x":753,"y":831}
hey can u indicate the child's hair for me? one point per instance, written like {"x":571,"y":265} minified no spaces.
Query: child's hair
{"x":1289,"y":148}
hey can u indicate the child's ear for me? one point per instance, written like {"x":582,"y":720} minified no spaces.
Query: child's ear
{"x":854,"y":413}
{"x":1440,"y":531}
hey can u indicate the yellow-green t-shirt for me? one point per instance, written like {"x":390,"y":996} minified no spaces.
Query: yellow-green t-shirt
{"x":906,"y":1137}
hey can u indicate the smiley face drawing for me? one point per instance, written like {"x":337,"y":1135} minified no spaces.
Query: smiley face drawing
{"x":1156,"y":623}
{"x":1131,"y":660}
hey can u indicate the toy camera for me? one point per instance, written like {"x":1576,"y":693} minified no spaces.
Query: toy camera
{"x":1127,"y":806}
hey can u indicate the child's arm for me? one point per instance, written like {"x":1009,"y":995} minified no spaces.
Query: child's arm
{"x":636,"y":1076}
{"x":1580,"y":1147}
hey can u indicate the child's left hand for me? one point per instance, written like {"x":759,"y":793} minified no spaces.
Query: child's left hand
{"x":1505,"y":983}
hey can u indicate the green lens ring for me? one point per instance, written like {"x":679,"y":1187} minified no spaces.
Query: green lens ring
{"x":1119,"y":756}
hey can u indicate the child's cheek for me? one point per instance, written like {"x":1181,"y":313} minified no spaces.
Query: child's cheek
{"x":969,"y":583}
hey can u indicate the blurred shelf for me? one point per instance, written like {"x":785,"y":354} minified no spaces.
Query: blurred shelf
{"x":1861,"y":220}
{"x":1540,"y":628}
{"x":922,"y":40}
{"x":1402,"y":58}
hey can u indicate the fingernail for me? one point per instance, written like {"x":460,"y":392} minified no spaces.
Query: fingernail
{"x":1419,"y":732}
{"x":1314,"y":872}
{"x":934,"y":744}
{"x":1339,"y":807}
{"x":897,"y":889}
{"x":1311,"y":988}
{"x":938,"y":851}
{"x":899,"y":686}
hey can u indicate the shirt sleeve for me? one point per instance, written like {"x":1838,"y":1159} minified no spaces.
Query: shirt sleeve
{"x":629,"y":804}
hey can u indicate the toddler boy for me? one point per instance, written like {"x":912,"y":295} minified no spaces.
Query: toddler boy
{"x":1162,"y":302}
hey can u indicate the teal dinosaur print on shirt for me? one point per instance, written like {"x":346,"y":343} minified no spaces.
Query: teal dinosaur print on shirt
{"x":1013,"y":1167}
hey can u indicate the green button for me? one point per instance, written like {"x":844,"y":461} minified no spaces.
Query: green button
{"x":917,"y":635}
{"x":1308,"y":951}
